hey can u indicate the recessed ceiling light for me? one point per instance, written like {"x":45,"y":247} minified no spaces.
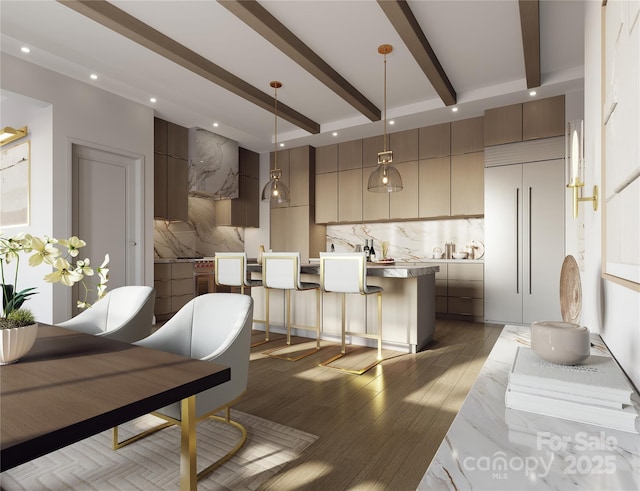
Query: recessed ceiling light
{"x":335,"y":133}
{"x":153,"y":100}
{"x":454,"y":109}
{"x":392,"y":122}
{"x":93,"y":76}
{"x":215,"y":125}
{"x":25,"y":49}
{"x":282,"y":144}
{"x":532,"y":93}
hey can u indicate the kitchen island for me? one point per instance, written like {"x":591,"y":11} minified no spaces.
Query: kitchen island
{"x":408,"y":306}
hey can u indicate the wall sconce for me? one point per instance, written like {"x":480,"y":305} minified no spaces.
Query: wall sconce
{"x":9,"y":134}
{"x":574,"y":152}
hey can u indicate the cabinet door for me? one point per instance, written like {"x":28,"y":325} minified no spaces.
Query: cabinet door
{"x":434,"y":141}
{"x":252,"y":203}
{"x":279,"y":229}
{"x":370,"y":148}
{"x":350,"y":155}
{"x":404,"y":204}
{"x":467,"y":184}
{"x":177,"y":141}
{"x":543,"y":118}
{"x":299,"y":176}
{"x":327,"y":159}
{"x":404,"y":145}
{"x":467,"y":136}
{"x":160,"y":186}
{"x":503,"y":125}
{"x":503,"y":244}
{"x":543,"y":239}
{"x":434,"y":187}
{"x":177,"y":189}
{"x":159,"y":136}
{"x":326,"y":198}
{"x":375,"y":206}
{"x":350,"y":195}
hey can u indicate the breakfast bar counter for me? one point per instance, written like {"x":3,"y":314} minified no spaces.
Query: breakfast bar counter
{"x":408,"y":306}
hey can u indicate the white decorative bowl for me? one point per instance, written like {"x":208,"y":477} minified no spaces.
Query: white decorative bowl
{"x":16,"y":342}
{"x":563,"y":343}
{"x":459,"y":255}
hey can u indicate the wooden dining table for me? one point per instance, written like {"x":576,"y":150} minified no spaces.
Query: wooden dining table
{"x":72,"y":385}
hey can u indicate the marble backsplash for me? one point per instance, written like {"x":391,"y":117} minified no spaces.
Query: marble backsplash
{"x":198,"y":237}
{"x":408,"y":241}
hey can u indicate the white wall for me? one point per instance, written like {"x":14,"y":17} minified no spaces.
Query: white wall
{"x":80,"y":112}
{"x":608,"y":308}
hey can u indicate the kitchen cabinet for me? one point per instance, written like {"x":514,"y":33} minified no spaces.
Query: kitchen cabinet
{"x":350,"y":195}
{"x":375,"y":206}
{"x":171,"y":171}
{"x":434,"y":183}
{"x":350,"y":155}
{"x":174,"y":286}
{"x":404,"y":205}
{"x":460,"y":290}
{"x":467,"y":136}
{"x":524,"y":240}
{"x":503,"y":125}
{"x":404,"y":145}
{"x":434,"y":141}
{"x":467,"y":184}
{"x":293,"y":225}
{"x":371,"y":147}
{"x":243,"y":211}
{"x":327,"y":159}
{"x":327,"y":197}
{"x":543,"y":118}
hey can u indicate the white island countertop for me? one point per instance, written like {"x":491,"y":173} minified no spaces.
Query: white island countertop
{"x":490,"y":447}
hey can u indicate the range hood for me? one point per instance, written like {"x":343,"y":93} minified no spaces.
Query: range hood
{"x":213,"y":165}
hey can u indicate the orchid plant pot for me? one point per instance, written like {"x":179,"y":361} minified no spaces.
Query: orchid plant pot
{"x":16,"y":342}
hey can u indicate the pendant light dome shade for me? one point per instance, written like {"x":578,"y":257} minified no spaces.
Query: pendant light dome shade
{"x":385,"y":178}
{"x":275,"y":190}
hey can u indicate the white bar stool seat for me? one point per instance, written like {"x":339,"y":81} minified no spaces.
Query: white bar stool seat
{"x":281,"y":270}
{"x":230,"y":269}
{"x":346,"y":273}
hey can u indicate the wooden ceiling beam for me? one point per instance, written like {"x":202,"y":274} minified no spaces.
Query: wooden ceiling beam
{"x":260,"y":20}
{"x":530,"y":25}
{"x":406,"y":24}
{"x":128,"y":26}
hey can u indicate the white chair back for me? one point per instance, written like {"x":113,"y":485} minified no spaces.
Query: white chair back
{"x":211,"y":327}
{"x":343,"y":272}
{"x":124,"y":314}
{"x":230,"y":268}
{"x":281,"y":270}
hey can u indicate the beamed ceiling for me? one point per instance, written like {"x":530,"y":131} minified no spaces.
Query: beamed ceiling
{"x":211,"y":61}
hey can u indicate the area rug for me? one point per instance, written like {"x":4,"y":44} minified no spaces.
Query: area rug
{"x":153,"y":463}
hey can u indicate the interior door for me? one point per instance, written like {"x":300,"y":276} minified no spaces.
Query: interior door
{"x":543,"y":239}
{"x":107,"y":212}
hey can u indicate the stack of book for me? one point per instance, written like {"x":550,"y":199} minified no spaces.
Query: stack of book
{"x":595,"y":392}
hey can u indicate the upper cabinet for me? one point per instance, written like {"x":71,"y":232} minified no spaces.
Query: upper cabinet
{"x":404,"y":145}
{"x":467,"y":136}
{"x":434,"y":141}
{"x":540,"y":118}
{"x":171,"y":171}
{"x":243,"y":211}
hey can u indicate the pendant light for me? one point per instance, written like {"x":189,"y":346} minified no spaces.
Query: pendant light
{"x":275,"y":190}
{"x":385,"y":178}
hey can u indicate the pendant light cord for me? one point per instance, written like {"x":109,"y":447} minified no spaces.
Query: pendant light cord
{"x":275,"y":138}
{"x":385,"y":102}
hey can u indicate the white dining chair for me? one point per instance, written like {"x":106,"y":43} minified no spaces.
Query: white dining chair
{"x":281,"y":271}
{"x":346,"y":273}
{"x":124,"y":314}
{"x":212,"y":327}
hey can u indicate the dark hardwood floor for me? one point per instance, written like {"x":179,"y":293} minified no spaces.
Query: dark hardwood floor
{"x":378,"y":430}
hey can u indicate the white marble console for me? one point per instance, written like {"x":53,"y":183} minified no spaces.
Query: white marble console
{"x":490,"y":447}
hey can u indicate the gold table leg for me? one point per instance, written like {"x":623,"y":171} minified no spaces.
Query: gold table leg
{"x":188,"y":475}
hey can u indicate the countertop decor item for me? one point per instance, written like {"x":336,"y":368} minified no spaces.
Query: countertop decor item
{"x":570,"y":291}
{"x":563,"y":343}
{"x":437,"y":253}
{"x":17,"y":340}
{"x":385,"y":178}
{"x":459,"y":255}
{"x":275,"y":190}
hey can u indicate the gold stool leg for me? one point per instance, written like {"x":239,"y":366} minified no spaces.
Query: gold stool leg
{"x":266,"y":322}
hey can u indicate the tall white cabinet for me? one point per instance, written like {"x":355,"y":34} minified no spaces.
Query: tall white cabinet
{"x":524,"y":231}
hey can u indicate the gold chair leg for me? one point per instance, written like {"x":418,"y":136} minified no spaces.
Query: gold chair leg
{"x":343,"y":351}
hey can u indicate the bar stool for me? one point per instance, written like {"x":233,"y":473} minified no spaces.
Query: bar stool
{"x":281,"y":271}
{"x":347,"y":273}
{"x":230,"y":269}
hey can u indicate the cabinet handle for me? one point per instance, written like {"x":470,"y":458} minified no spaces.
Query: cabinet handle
{"x":530,"y":228}
{"x":133,"y":243}
{"x":517,"y":241}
